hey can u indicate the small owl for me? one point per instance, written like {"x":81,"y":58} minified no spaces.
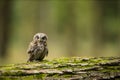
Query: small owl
{"x":37,"y":49}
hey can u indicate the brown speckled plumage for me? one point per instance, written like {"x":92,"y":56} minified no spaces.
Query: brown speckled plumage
{"x":37,"y":49}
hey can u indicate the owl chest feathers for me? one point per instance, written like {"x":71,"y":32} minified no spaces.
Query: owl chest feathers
{"x":38,"y":50}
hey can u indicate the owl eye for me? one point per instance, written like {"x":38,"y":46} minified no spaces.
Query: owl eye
{"x":43,"y":37}
{"x":37,"y":37}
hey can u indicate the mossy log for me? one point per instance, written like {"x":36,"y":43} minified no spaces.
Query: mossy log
{"x":100,"y":68}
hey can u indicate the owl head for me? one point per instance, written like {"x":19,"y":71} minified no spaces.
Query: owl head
{"x":42,"y":37}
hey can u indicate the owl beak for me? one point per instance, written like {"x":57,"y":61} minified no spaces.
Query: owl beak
{"x":39,"y":40}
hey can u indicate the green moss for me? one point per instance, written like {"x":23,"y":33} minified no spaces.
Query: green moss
{"x":66,"y":75}
{"x":69,"y":66}
{"x":31,"y":77}
{"x":40,"y":76}
{"x":13,"y":73}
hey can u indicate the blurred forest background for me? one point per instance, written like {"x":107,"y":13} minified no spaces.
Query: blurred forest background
{"x":83,"y":28}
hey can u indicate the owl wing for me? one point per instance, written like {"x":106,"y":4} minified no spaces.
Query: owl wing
{"x":46,"y":51}
{"x":31,"y":48}
{"x":30,"y":51}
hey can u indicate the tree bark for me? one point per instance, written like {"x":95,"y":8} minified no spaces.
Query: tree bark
{"x":97,"y":68}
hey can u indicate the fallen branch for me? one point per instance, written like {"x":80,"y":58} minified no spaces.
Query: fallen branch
{"x":65,"y":68}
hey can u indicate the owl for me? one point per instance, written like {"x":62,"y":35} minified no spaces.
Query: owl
{"x":37,"y":49}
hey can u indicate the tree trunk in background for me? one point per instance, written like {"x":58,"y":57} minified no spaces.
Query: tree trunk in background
{"x":99,"y":31}
{"x":102,"y":33}
{"x":43,"y":16}
{"x":67,"y":25}
{"x":71,"y":29}
{"x":5,"y":13}
{"x":119,"y":28}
